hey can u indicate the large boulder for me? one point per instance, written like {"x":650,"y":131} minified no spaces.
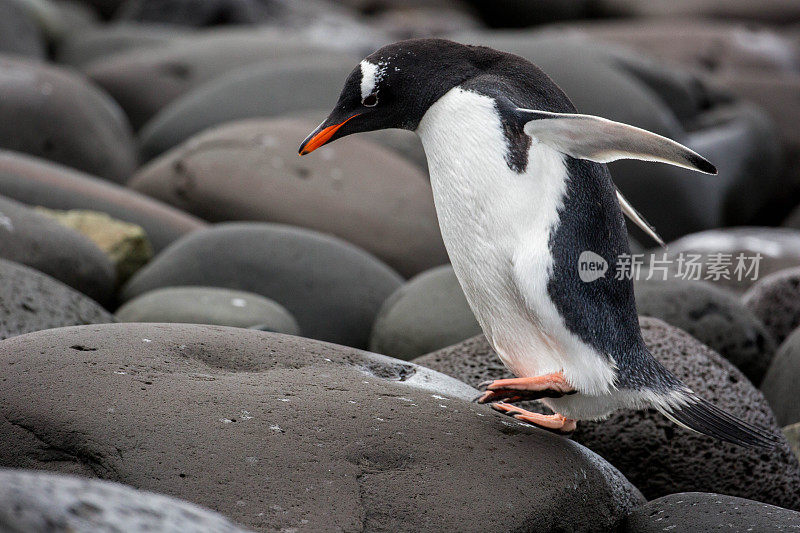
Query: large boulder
{"x":333,"y":288}
{"x":32,"y":301}
{"x":42,"y":502}
{"x":263,"y":90}
{"x":780,"y":382}
{"x":279,"y":432}
{"x":19,"y":34}
{"x":706,"y":512}
{"x":659,"y":457}
{"x":429,"y":312}
{"x":356,"y":190}
{"x":58,"y":115}
{"x":714,"y":317}
{"x":618,"y":84}
{"x":773,"y":11}
{"x":36,"y":182}
{"x":775,"y":299}
{"x":209,"y":305}
{"x":85,"y":47}
{"x":36,"y":240}
{"x":144,"y":81}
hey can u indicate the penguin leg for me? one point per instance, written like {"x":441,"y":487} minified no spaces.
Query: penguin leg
{"x":557,"y":423}
{"x":527,"y":388}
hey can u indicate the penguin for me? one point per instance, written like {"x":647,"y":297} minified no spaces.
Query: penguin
{"x":521,"y":191}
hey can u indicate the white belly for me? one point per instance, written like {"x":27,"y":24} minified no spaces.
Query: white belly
{"x":496,"y":225}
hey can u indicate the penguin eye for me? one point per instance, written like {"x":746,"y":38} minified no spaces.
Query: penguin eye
{"x":370,"y":101}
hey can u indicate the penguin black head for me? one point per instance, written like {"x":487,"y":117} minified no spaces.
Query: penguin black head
{"x":395,"y":86}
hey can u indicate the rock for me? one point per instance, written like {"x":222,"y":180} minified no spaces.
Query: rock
{"x":520,"y":13}
{"x":19,"y":34}
{"x":125,"y":244}
{"x":659,"y":457}
{"x":423,"y":22}
{"x":43,"y":109}
{"x":333,"y":288}
{"x":84,"y":48}
{"x":36,"y":182}
{"x":708,"y":45}
{"x":703,"y":511}
{"x":105,"y":8}
{"x":780,"y":382}
{"x":249,"y":170}
{"x":772,"y":11}
{"x":34,"y":240}
{"x":42,"y":502}
{"x":429,"y":312}
{"x":714,"y":317}
{"x":792,"y":434}
{"x":762,"y":252}
{"x":279,"y":432}
{"x":32,"y":301}
{"x":209,"y":305}
{"x":145,"y":81}
{"x":617,"y":84}
{"x":291,"y":86}
{"x":775,"y":299}
{"x":60,"y":18}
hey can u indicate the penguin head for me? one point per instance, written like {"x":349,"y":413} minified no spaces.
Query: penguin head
{"x":395,"y":86}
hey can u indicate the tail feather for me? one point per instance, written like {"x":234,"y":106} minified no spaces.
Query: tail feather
{"x":698,"y":415}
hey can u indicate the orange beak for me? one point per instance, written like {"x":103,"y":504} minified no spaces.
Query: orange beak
{"x":320,"y":137}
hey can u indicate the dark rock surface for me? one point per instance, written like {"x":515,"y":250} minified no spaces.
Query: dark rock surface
{"x":43,"y":108}
{"x":334,"y":289}
{"x":659,"y":457}
{"x":37,"y":241}
{"x":705,"y":512}
{"x":780,"y":382}
{"x":714,"y":317}
{"x":265,"y":90}
{"x":774,"y":11}
{"x":355,"y":189}
{"x":209,"y":305}
{"x":19,"y":34}
{"x":775,"y":299}
{"x":429,"y":312}
{"x":618,"y":84}
{"x":42,"y":502}
{"x":83,"y":48}
{"x":779,"y":249}
{"x":145,"y":81}
{"x":280,"y":432}
{"x":32,"y":301}
{"x":36,"y":182}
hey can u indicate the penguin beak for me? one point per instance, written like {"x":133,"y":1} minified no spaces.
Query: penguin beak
{"x":322,"y":135}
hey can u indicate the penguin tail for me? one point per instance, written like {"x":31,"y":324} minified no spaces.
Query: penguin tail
{"x":696,"y":414}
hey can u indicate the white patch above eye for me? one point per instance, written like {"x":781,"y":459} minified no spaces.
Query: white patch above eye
{"x":369,"y":78}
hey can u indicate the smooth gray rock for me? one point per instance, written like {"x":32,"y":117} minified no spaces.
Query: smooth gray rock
{"x":772,"y":11}
{"x":265,"y":90}
{"x":32,"y":301}
{"x":60,"y":116}
{"x":209,"y":305}
{"x":84,"y":48}
{"x":706,"y":512}
{"x":659,"y":457}
{"x":334,"y":289}
{"x":429,"y":312}
{"x":249,"y":170}
{"x":37,"y":241}
{"x":714,"y":317}
{"x":279,"y":432}
{"x":43,"y":502}
{"x":19,"y":34}
{"x":775,"y":299}
{"x":146,"y":81}
{"x":780,"y":382}
{"x":38,"y":183}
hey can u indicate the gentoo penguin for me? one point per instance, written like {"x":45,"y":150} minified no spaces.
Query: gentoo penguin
{"x":521,"y":192}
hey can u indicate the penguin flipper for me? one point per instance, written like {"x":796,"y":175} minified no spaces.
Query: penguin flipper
{"x":602,"y":140}
{"x":701,"y":416}
{"x":638,"y":219}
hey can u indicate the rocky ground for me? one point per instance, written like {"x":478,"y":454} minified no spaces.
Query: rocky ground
{"x":200,"y":331}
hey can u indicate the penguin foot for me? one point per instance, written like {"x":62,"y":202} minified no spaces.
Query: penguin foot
{"x":528,"y":388}
{"x":556,"y":423}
